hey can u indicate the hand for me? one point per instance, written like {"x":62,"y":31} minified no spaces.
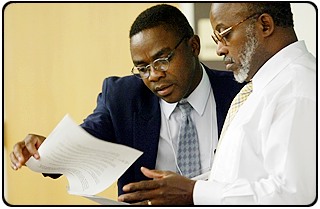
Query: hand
{"x":166,"y":188}
{"x":23,"y":150}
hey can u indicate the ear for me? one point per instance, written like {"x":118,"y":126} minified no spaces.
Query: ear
{"x":266,"y":24}
{"x":194,"y":42}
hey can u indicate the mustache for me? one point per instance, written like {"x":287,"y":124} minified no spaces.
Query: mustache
{"x":228,"y":60}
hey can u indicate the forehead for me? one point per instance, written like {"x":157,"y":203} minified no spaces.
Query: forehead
{"x":226,"y":12}
{"x":151,"y":41}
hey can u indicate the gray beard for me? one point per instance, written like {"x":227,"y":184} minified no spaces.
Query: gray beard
{"x":246,"y":54}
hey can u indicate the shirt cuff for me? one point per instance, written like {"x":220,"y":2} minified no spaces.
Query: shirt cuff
{"x":207,"y":193}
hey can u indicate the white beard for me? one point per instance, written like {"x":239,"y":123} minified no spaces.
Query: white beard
{"x":245,"y":55}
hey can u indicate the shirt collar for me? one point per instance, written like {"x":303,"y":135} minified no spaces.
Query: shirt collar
{"x":276,"y":64}
{"x":198,"y":98}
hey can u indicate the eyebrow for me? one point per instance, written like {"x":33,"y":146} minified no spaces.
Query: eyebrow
{"x":154,"y":57}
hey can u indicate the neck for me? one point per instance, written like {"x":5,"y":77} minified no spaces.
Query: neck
{"x":281,"y":38}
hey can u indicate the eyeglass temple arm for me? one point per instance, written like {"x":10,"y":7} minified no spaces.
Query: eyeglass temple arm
{"x":230,"y":28}
{"x":226,"y":31}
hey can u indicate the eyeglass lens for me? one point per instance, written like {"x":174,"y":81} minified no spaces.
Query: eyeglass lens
{"x":161,"y":64}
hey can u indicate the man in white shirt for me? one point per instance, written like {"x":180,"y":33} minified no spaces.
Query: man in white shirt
{"x":268,"y":153}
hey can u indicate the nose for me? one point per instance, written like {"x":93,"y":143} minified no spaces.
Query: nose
{"x":155,"y":75}
{"x":221,"y":49}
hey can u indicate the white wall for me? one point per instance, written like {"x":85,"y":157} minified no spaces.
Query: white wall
{"x":304,"y":17}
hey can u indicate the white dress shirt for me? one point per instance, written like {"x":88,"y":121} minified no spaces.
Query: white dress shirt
{"x":204,"y":117}
{"x":268,"y":154}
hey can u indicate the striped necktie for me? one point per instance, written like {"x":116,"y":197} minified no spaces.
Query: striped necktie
{"x":239,"y":99}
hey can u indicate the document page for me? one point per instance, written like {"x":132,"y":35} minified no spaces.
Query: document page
{"x":91,"y":165}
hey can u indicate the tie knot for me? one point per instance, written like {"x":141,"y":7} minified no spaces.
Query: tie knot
{"x":185,"y":107}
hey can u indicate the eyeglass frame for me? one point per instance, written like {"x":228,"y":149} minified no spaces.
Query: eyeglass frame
{"x":148,"y":69}
{"x":219,"y":36}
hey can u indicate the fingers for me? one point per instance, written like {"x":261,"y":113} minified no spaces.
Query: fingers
{"x":142,"y":185}
{"x":147,"y":185}
{"x":145,"y":202}
{"x":153,"y":174}
{"x":16,"y":156}
{"x":15,"y":164}
{"x":166,"y":188}
{"x":32,"y":143}
{"x":141,"y":193}
{"x":23,"y":150}
{"x":138,"y":198}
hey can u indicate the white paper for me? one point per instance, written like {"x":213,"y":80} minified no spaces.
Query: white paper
{"x":91,"y":165}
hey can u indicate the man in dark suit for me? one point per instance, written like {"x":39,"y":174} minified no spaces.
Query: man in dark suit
{"x":139,"y":110}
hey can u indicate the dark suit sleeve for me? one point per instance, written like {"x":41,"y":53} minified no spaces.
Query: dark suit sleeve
{"x":99,"y":123}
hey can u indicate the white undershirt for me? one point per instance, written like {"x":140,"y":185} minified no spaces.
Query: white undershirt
{"x":205,"y":119}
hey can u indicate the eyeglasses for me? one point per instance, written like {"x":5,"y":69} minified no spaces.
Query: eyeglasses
{"x":161,"y":64}
{"x":220,"y":37}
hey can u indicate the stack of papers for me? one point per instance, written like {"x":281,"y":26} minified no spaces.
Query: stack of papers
{"x":91,"y":165}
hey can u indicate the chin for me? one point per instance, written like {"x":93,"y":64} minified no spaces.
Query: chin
{"x":240,"y":79}
{"x":169,"y":99}
{"x":242,"y":75}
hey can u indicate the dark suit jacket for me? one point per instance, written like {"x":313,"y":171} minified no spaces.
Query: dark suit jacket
{"x":128,"y":113}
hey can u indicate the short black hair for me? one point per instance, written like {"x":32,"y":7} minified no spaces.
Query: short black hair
{"x":162,"y":15}
{"x":279,"y":11}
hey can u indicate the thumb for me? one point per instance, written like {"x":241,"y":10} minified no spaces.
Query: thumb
{"x":154,"y":174}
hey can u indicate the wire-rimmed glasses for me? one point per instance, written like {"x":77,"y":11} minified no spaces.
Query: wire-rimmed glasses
{"x":220,"y":36}
{"x":161,"y":64}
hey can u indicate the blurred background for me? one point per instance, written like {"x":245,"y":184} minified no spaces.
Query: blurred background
{"x":55,"y":57}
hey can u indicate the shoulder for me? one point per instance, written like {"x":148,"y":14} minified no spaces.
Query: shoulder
{"x":123,"y":84}
{"x":128,"y":87}
{"x":120,"y":81}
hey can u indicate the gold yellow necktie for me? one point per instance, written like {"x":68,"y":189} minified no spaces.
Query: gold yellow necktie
{"x":239,"y":99}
